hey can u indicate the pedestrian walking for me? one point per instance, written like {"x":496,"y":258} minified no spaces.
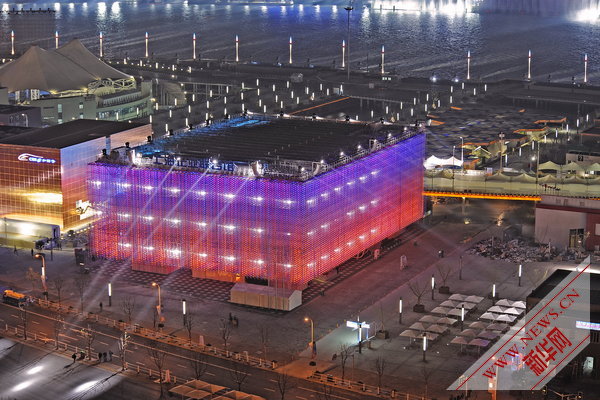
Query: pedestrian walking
{"x":74,"y":357}
{"x":230,"y":318}
{"x":100,"y":306}
{"x":110,"y":354}
{"x":31,"y":252}
{"x":105,"y":356}
{"x":100,"y":356}
{"x":16,"y":253}
{"x":235,"y":321}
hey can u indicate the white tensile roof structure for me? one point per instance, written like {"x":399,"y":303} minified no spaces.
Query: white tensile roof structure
{"x":70,"y":67}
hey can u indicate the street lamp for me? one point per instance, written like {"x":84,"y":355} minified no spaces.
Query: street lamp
{"x":348,"y":9}
{"x":494,"y":291}
{"x":312,"y":335}
{"x":462,"y":316}
{"x":462,"y":153}
{"x":424,"y":346}
{"x":432,"y":286}
{"x":159,"y":308}
{"x":109,"y":294}
{"x":520,"y":271}
{"x":42,"y":256}
{"x":501,"y":135}
{"x":183,"y":309}
{"x":400,"y":311}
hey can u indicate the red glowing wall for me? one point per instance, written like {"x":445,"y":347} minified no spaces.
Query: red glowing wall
{"x":225,"y":227}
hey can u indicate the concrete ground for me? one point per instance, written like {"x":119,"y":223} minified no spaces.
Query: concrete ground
{"x":371,"y":294}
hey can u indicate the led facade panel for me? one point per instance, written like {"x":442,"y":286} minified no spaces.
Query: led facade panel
{"x":230,"y":227}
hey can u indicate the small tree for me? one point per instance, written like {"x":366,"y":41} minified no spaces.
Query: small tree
{"x":58,"y":283}
{"x":326,"y":392}
{"x":345,"y":352}
{"x":81,"y":283}
{"x":128,"y":307}
{"x":33,"y":277}
{"x":264,"y":334}
{"x":190,"y":322}
{"x":379,"y":369}
{"x":58,"y":326}
{"x":238,"y":373}
{"x":284,"y":384}
{"x":198,"y":364}
{"x":158,"y":357}
{"x":123,"y":342}
{"x":419,"y":291}
{"x":426,"y":373}
{"x":444,"y":271}
{"x":225,"y":331}
{"x":90,"y":336}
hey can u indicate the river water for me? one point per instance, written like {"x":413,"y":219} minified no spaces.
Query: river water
{"x":416,"y":43}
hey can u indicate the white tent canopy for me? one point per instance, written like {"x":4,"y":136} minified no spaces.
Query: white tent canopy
{"x":434,"y":161}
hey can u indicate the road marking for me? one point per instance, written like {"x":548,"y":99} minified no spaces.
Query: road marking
{"x":35,"y":322}
{"x":270,"y":390}
{"x":330,"y":394}
{"x":106,"y":344}
{"x":14,"y":316}
{"x":182,"y":366}
{"x":273,"y":380}
{"x":210,"y":373}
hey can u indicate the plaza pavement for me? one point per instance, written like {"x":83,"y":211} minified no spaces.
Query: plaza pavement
{"x":369,"y":293}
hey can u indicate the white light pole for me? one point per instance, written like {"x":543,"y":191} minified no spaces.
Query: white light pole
{"x":400,"y":310}
{"x":109,"y":294}
{"x":585,"y":68}
{"x":529,"y":66}
{"x":424,"y":346}
{"x":432,"y":286}
{"x":101,"y":45}
{"x":343,"y":54}
{"x":468,"y":64}
{"x":312,"y":335}
{"x":494,"y":291}
{"x":146,"y":44}
{"x":291,"y":42}
{"x":520,"y":271}
{"x":462,"y":316}
{"x":462,"y":153}
{"x":237,"y":48}
{"x":501,"y":136}
{"x":382,"y":59}
{"x":12,"y":43}
{"x":56,"y":39}
{"x":184,"y":310}
{"x":194,"y":46}
{"x":348,"y":9}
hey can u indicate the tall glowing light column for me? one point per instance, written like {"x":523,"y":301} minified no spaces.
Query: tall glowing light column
{"x":382,"y":59}
{"x":291,"y":49}
{"x":343,"y":53}
{"x":585,"y":66}
{"x":146,"y":44}
{"x":237,"y":48}
{"x":12,"y":43}
{"x":56,"y":39}
{"x":194,"y":46}
{"x":529,"y":65}
{"x":101,"y":45}
{"x":468,"y":64}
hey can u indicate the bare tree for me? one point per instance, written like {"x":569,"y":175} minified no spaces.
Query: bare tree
{"x":158,"y":357}
{"x":426,"y":373}
{"x":238,"y":373}
{"x":326,"y":393}
{"x":33,"y":277}
{"x":198,"y":364}
{"x":419,"y":291}
{"x":379,"y":369}
{"x":58,"y":283}
{"x":89,"y":336}
{"x":189,"y":322}
{"x":128,"y":307}
{"x":58,"y":327}
{"x":264,"y":333}
{"x":225,"y":331}
{"x":24,"y":319}
{"x":81,"y":283}
{"x":123,"y":342}
{"x":154,"y":316}
{"x":284,"y":384}
{"x":444,"y":271}
{"x":345,"y":352}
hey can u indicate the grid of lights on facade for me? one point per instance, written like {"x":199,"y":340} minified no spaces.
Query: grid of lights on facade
{"x":225,"y":225}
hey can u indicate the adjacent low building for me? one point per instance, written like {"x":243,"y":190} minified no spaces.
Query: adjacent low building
{"x":261,"y":200}
{"x":71,"y":83}
{"x":568,"y":222}
{"x":43,"y":176}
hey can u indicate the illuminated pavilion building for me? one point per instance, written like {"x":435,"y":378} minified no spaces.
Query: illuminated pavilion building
{"x":280,"y":201}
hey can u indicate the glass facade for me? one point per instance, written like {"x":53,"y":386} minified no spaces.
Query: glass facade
{"x":30,"y":179}
{"x":229,"y":227}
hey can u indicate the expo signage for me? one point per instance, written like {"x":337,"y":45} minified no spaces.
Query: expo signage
{"x":35,"y":159}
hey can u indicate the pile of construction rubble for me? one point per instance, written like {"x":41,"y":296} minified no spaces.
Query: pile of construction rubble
{"x":515,"y":251}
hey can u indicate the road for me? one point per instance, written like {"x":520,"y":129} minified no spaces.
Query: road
{"x":178,"y":361}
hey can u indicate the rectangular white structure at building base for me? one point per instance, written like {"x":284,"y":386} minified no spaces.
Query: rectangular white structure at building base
{"x":265,"y":296}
